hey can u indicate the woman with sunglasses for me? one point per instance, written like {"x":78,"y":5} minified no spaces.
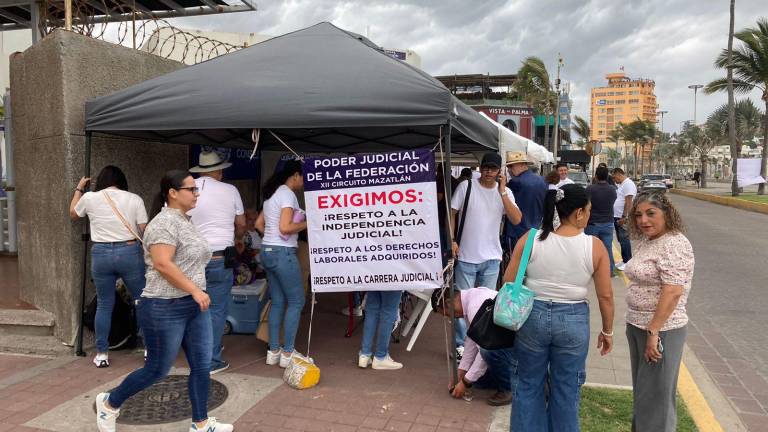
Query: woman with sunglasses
{"x":173,"y":308}
{"x":660,"y":274}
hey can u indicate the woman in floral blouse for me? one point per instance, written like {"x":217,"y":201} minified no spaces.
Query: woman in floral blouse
{"x":660,"y":274}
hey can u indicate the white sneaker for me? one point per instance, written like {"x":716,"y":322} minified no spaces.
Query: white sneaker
{"x":386,"y":364}
{"x":273,"y":357}
{"x":212,"y":425}
{"x":285,"y":359}
{"x":356,"y":311}
{"x":363,"y":361}
{"x":101,"y":360}
{"x":105,"y":417}
{"x":620,"y":266}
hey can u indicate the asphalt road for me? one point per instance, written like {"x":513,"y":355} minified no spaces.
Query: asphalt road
{"x":728,"y":304}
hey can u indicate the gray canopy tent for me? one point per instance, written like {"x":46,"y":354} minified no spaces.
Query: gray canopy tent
{"x":320,"y":89}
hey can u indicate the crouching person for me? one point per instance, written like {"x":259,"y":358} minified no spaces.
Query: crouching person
{"x":480,"y":368}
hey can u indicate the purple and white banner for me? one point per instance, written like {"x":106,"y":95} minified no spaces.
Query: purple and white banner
{"x":372,"y":222}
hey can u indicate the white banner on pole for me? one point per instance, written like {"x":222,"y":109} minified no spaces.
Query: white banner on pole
{"x":749,"y":172}
{"x":372,"y":222}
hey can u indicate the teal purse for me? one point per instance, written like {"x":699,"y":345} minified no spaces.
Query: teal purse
{"x":514,"y":301}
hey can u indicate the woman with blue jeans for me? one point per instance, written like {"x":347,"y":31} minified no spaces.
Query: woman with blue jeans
{"x":173,"y":308}
{"x":555,"y":338}
{"x":281,"y":221}
{"x":380,"y":315}
{"x":117,"y":219}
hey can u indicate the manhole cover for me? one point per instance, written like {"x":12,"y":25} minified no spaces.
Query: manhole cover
{"x":167,"y":402}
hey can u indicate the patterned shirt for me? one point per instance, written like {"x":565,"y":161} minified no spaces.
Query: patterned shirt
{"x":173,"y":228}
{"x":666,"y":260}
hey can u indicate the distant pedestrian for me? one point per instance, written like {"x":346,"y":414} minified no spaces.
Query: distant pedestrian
{"x":117,"y":220}
{"x":603,"y":196}
{"x":660,"y":276}
{"x":562,"y":171}
{"x":466,"y":174}
{"x":697,"y":178}
{"x":529,"y":190}
{"x":625,"y":192}
{"x":173,"y":308}
{"x":220,"y":218}
{"x":554,"y":340}
{"x":479,"y":257}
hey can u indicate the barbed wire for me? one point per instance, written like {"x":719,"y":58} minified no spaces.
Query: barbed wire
{"x":143,"y":31}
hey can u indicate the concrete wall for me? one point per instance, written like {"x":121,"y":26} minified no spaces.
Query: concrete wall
{"x":50,"y":83}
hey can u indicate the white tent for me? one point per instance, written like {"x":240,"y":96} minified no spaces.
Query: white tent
{"x":510,"y":141}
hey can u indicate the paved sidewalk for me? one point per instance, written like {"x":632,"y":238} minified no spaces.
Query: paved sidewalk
{"x":39,"y":394}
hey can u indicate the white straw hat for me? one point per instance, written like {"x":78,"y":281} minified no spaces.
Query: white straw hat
{"x":210,"y":161}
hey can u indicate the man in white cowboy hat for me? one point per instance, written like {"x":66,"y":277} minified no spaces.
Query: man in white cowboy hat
{"x":529,"y":190}
{"x":220,"y":218}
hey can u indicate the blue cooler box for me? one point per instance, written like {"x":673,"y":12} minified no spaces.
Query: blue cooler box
{"x":245,"y":307}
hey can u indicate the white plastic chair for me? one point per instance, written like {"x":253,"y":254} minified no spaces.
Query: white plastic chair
{"x":421,"y":311}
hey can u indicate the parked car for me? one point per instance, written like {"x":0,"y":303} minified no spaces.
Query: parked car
{"x":650,"y":177}
{"x":668,"y":181}
{"x":649,"y":185}
{"x":579,"y":177}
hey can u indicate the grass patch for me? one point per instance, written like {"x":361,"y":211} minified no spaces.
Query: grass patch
{"x":611,"y":410}
{"x":750,"y":196}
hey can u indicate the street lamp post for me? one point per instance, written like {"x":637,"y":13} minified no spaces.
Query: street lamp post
{"x":695,"y":88}
{"x":661,"y":113}
{"x":557,"y":108}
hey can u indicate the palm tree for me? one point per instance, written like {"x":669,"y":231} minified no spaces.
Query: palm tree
{"x":747,"y":118}
{"x":640,"y":133}
{"x":535,"y":87}
{"x":616,"y":135}
{"x":749,"y":62}
{"x":613,"y":155}
{"x":701,"y":140}
{"x":581,"y":127}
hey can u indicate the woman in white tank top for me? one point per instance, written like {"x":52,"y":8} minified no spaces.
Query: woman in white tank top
{"x":554,"y":340}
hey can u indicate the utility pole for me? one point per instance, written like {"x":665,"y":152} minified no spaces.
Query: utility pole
{"x":557,"y":108}
{"x":695,"y":88}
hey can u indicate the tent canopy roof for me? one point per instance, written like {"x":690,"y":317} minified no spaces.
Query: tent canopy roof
{"x":318,"y":89}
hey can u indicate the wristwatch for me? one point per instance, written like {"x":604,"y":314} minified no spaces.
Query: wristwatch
{"x":80,"y":190}
{"x":467,"y":384}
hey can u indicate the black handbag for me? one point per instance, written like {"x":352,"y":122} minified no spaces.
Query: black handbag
{"x":230,"y":257}
{"x":485,"y":333}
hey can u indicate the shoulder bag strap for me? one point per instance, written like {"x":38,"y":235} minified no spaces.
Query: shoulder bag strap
{"x":463,"y":215}
{"x":524,"y":258}
{"x":120,"y":216}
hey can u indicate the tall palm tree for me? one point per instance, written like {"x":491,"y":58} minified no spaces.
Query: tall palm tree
{"x":749,"y":62}
{"x":535,"y":87}
{"x":581,"y":127}
{"x":613,"y":155}
{"x":641,"y":133}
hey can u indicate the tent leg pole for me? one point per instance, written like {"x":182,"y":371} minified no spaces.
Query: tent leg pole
{"x":85,"y":237}
{"x":448,"y":194}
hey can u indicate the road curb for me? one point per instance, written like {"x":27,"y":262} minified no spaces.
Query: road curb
{"x":726,"y":201}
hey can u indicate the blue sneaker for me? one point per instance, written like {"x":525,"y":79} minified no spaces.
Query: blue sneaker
{"x":219,"y":367}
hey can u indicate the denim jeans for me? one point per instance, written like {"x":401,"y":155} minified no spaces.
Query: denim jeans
{"x":287,"y":293}
{"x":468,"y":275}
{"x":218,"y":285}
{"x":554,"y":338}
{"x":110,"y":261}
{"x":380,"y":315}
{"x":502,"y":369}
{"x":603,"y":231}
{"x":169,"y":324}
{"x":622,"y":235}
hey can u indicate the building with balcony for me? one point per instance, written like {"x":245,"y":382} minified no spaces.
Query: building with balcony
{"x":622,"y":101}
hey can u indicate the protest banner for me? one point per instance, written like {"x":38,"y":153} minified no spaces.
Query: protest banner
{"x":372,"y":222}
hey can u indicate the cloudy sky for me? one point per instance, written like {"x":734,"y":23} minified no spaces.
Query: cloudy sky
{"x":673,"y":42}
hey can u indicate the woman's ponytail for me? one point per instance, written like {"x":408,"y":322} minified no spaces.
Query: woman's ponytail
{"x":548,"y":221}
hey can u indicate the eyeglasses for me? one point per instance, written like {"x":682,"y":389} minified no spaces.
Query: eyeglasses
{"x":193,"y":189}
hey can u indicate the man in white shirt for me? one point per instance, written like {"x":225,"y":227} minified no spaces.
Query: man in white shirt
{"x":220,"y":218}
{"x":625,"y":193}
{"x":478,"y":251}
{"x":562,"y":171}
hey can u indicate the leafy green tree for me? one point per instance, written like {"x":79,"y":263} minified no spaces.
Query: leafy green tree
{"x":749,"y":63}
{"x":700,"y":140}
{"x":641,"y":133}
{"x":748,"y":118}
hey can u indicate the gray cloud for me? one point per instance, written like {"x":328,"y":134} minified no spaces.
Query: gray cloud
{"x":673,"y":42}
